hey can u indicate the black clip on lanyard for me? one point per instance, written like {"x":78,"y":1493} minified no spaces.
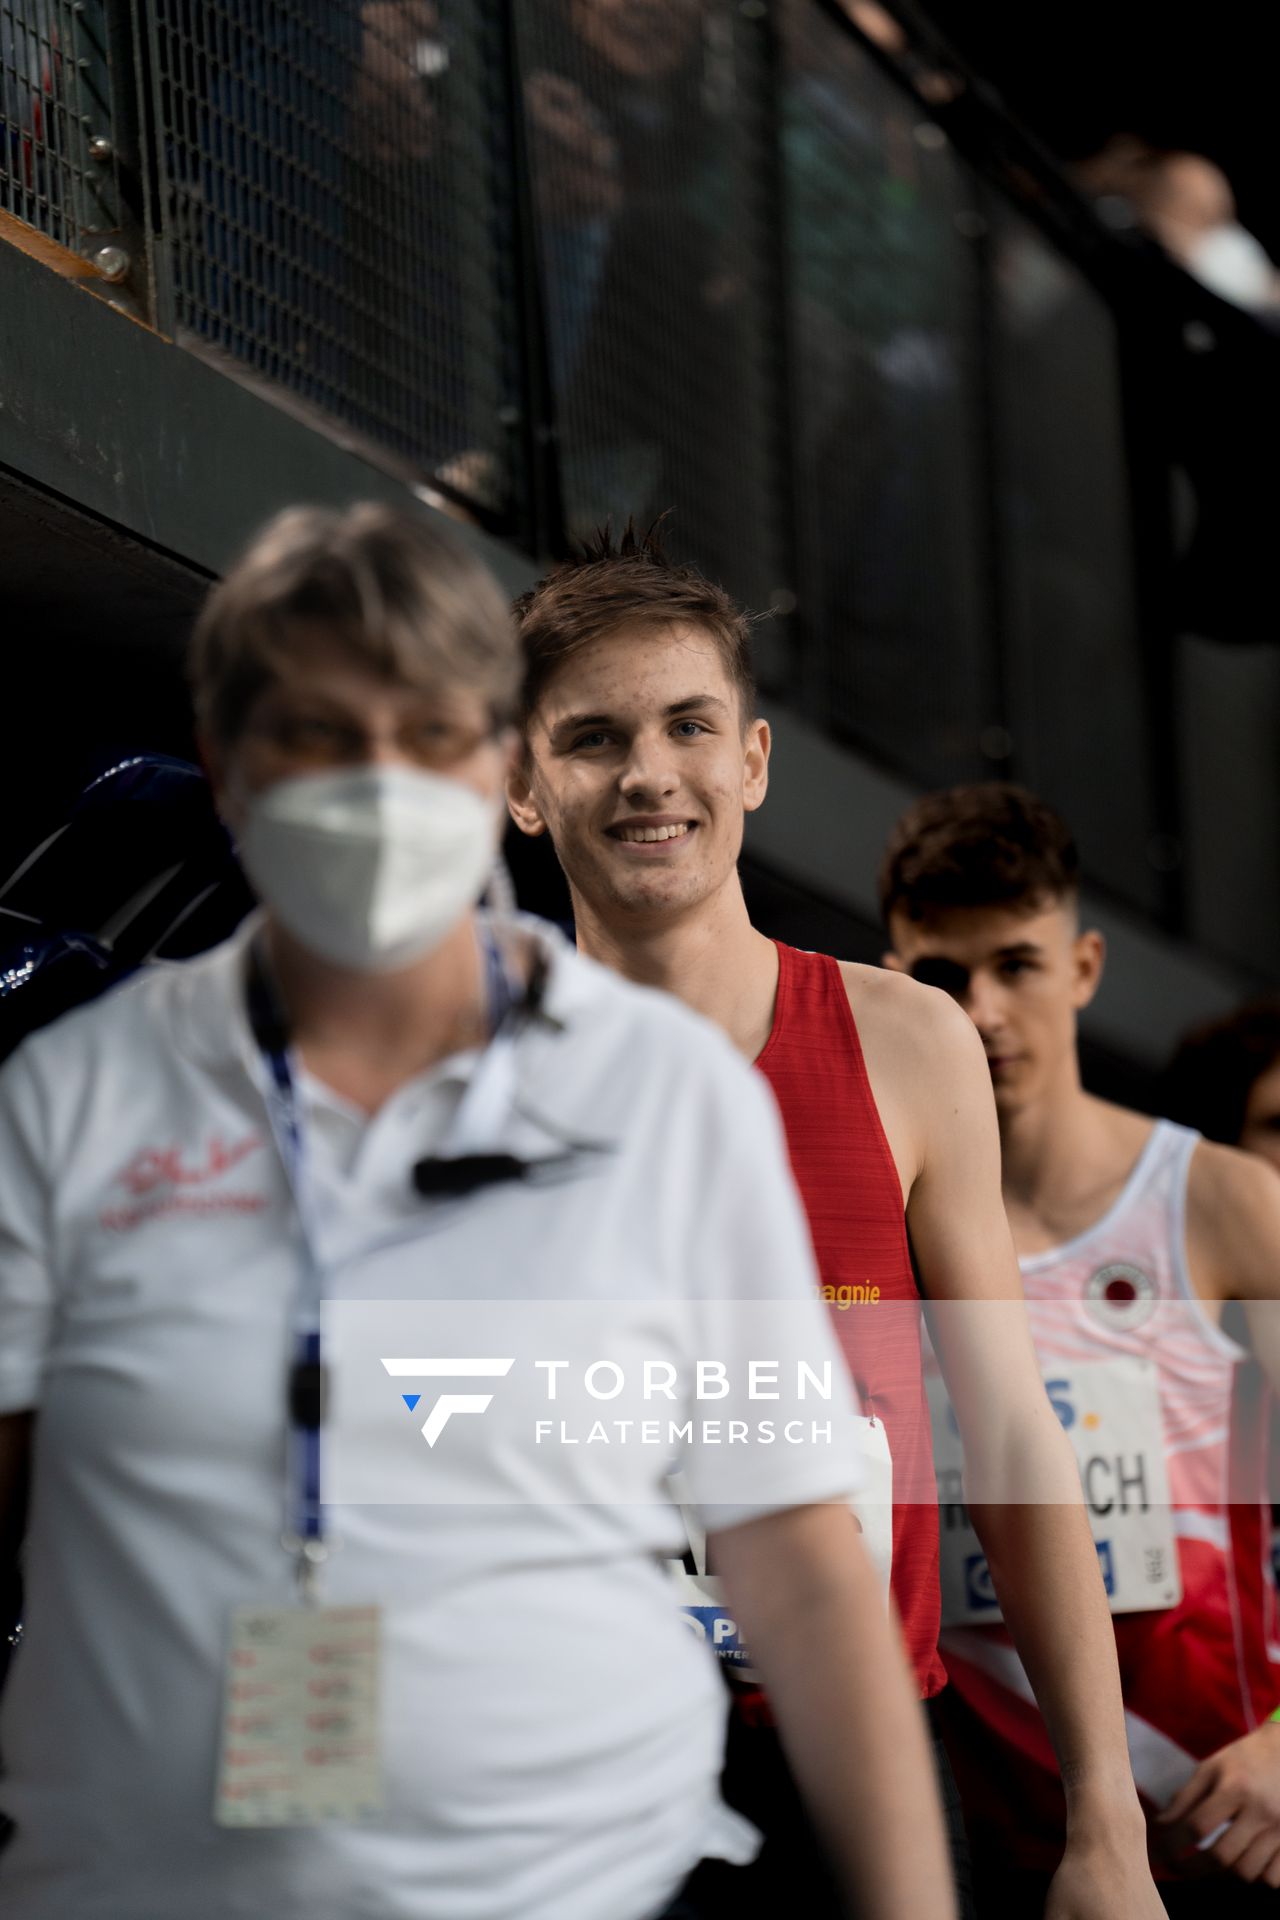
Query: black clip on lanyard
{"x":444,"y":1176}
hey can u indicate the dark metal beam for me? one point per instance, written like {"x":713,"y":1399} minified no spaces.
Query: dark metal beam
{"x":125,"y":426}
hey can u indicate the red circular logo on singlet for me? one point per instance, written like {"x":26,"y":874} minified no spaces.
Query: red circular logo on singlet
{"x":1121,"y":1296}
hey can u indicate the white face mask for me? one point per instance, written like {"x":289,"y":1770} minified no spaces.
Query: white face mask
{"x":1231,"y":263}
{"x":369,"y":867}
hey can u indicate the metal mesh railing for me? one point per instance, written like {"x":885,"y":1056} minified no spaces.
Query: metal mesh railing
{"x":651,"y":152}
{"x":334,"y":214}
{"x":58,"y":163}
{"x":884,"y":271}
{"x":1078,"y":706}
{"x":578,"y":260}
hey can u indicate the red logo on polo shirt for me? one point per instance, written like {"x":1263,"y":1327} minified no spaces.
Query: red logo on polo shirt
{"x":166,"y":1166}
{"x":166,"y":1180}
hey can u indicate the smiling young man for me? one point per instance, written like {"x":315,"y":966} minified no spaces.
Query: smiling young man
{"x":643,"y":754}
{"x":1132,"y":1234}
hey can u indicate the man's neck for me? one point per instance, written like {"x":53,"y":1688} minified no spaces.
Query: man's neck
{"x":1066,"y":1162}
{"x":393,"y":1025}
{"x":1045,"y":1144}
{"x":711,"y":957}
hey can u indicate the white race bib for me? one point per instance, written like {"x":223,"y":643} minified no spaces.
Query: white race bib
{"x":1110,"y":1411}
{"x":300,"y":1721}
{"x":700,"y":1599}
{"x":699,"y":1595}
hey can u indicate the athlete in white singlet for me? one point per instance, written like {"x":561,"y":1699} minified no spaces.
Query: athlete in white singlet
{"x":1131,"y":1235}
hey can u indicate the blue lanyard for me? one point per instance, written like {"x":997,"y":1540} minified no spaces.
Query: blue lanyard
{"x":305,"y":1534}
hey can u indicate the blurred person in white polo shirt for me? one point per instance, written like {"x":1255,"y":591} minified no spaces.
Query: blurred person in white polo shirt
{"x":375,"y":1097}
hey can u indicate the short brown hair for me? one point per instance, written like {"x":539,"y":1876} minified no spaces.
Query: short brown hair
{"x":987,"y":845}
{"x":612,"y":585}
{"x":391,"y":587}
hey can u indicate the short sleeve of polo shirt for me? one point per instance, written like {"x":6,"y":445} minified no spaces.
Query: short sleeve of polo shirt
{"x":26,"y":1288}
{"x":758,"y":1300}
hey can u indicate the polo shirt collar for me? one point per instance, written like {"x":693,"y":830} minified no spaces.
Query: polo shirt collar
{"x":210,"y":1013}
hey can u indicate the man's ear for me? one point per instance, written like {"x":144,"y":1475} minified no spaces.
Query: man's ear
{"x":755,"y":768}
{"x":521,"y":804}
{"x":1088,"y":958}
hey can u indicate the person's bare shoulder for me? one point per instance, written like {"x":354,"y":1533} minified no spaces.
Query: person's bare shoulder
{"x":924,"y":1059}
{"x":1233,"y":1222}
{"x":1223,"y":1183}
{"x":911,"y":1028}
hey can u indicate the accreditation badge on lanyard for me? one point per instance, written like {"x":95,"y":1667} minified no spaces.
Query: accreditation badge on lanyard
{"x":301,"y":1733}
{"x":301,"y":1721}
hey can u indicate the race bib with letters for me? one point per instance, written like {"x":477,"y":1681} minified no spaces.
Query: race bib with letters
{"x":698,"y":1593}
{"x":1110,"y":1411}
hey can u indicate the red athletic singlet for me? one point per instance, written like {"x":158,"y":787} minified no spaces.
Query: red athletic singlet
{"x":853,"y":1197}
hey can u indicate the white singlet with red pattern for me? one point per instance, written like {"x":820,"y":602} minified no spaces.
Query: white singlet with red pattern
{"x":1195,"y":1675}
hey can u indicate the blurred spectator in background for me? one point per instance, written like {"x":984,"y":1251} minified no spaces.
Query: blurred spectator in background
{"x":1184,"y":201}
{"x":1225,"y":1079}
{"x":30,"y":82}
{"x":613,"y":103}
{"x":255,"y":217}
{"x":324,"y":174}
{"x":401,"y":46}
{"x":1205,"y":381}
{"x":409,"y":191}
{"x":577,"y":191}
{"x":633,"y":124}
{"x":878,"y":286}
